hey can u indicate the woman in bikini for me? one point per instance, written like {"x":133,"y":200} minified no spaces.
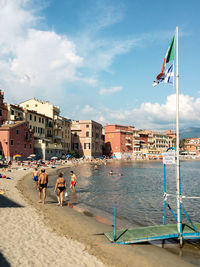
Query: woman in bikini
{"x":60,"y":187}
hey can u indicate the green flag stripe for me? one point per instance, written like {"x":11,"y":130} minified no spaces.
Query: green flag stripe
{"x":170,"y":55}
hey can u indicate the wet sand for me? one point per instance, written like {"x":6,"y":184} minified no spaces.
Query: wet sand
{"x":77,"y":224}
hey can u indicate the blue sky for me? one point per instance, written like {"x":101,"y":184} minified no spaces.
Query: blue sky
{"x":98,"y":59}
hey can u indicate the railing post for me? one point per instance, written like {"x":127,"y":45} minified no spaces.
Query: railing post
{"x":115,"y":221}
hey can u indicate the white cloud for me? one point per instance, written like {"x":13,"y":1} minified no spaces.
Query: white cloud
{"x":110,"y":90}
{"x":34,"y":62}
{"x":152,"y":115}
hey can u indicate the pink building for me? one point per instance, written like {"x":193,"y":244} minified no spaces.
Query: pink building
{"x":87,"y":138}
{"x":119,"y":141}
{"x":16,"y":138}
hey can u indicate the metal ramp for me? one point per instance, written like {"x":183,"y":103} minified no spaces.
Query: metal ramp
{"x":152,"y":233}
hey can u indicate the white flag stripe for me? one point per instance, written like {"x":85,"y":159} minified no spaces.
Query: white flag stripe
{"x":167,"y":77}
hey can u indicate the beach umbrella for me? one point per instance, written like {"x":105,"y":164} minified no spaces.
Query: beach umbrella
{"x":17,"y":156}
{"x":68,"y":156}
{"x":29,"y":157}
{"x":32,"y":155}
{"x":54,"y":158}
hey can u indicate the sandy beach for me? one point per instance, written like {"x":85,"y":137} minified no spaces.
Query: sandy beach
{"x":34,"y":234}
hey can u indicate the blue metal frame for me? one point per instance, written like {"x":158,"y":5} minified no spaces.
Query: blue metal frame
{"x":195,"y":235}
{"x":115,"y":221}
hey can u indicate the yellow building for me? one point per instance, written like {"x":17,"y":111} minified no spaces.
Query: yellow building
{"x":59,"y":129}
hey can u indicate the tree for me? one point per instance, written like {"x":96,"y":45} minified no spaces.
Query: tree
{"x":182,"y":143}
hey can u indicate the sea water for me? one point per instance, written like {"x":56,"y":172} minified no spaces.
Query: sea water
{"x":137,"y":190}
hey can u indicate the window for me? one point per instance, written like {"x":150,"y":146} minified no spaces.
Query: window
{"x":86,"y":145}
{"x":0,"y":112}
{"x":42,"y":120}
{"x":30,"y":126}
{"x":24,"y":145}
{"x":87,"y":125}
{"x":87,"y":134}
{"x":30,"y":117}
{"x":30,"y":145}
{"x":12,"y":112}
{"x":35,"y":119}
{"x":75,"y":146}
{"x":17,"y":131}
{"x":97,"y":135}
{"x":11,"y":142}
{"x":39,"y":119}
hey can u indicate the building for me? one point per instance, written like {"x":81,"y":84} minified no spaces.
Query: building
{"x":15,"y":113}
{"x":136,"y":143}
{"x":42,"y":107}
{"x":119,"y":141}
{"x":66,"y":135}
{"x":172,"y":139}
{"x":192,"y":147}
{"x":16,"y":138}
{"x":58,"y":129}
{"x":87,"y":138}
{"x":160,"y":141}
{"x":3,"y":109}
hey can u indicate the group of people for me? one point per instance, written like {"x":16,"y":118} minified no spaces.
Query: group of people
{"x":40,"y":181}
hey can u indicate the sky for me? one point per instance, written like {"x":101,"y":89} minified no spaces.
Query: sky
{"x":97,"y":59}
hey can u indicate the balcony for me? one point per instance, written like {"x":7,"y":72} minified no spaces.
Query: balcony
{"x":57,"y":137}
{"x":58,"y":127}
{"x":128,"y":144}
{"x":137,"y":142}
{"x":49,"y":125}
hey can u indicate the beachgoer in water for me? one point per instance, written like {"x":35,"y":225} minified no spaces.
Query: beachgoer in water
{"x":60,"y":186}
{"x":95,"y":167}
{"x":42,"y":185}
{"x":35,"y":177}
{"x":73,"y":181}
{"x":111,"y":172}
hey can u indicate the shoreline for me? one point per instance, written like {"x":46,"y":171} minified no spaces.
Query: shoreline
{"x":86,"y":228}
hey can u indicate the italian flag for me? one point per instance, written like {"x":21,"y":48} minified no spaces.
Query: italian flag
{"x":168,"y":57}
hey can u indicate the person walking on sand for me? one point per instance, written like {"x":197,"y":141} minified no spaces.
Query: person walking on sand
{"x":73,"y":181}
{"x":60,"y":186}
{"x":35,"y":177}
{"x":42,"y":185}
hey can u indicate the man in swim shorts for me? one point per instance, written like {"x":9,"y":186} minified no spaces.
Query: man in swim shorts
{"x":42,"y":185}
{"x":35,"y":177}
{"x":73,"y":181}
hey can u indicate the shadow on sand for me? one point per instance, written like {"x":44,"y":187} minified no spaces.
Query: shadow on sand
{"x":3,"y":261}
{"x":7,"y":203}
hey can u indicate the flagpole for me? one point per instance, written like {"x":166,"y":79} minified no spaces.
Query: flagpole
{"x":178,"y":180}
